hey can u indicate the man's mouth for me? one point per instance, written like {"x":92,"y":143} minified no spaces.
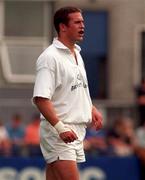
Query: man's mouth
{"x":81,"y":32}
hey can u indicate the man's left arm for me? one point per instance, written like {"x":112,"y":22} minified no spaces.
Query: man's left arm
{"x":96,"y":118}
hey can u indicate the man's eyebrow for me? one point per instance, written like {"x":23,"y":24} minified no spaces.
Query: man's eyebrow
{"x":79,"y":20}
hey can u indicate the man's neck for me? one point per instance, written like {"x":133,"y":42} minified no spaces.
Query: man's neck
{"x":67,"y":43}
{"x":70,"y":45}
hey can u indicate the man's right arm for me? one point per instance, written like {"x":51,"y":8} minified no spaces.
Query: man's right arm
{"x":46,"y":107}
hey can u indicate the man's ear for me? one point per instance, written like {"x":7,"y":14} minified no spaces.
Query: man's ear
{"x":62,"y":27}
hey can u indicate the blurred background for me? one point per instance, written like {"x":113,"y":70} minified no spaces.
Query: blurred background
{"x":114,"y":55}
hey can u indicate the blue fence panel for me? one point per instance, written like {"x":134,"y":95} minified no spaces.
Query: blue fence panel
{"x":111,"y":168}
{"x":95,"y":168}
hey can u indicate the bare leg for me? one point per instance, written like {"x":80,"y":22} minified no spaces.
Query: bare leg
{"x":62,"y":170}
{"x":49,"y":173}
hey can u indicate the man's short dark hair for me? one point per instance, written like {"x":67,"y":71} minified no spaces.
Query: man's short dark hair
{"x":61,"y":16}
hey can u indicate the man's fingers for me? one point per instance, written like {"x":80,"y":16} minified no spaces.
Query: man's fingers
{"x":98,"y":126}
{"x":74,"y":135}
{"x":68,"y":136}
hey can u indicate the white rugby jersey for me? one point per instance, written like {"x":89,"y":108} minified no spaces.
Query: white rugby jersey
{"x":64,"y":82}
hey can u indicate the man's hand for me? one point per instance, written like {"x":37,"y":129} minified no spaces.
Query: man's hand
{"x":65,"y":132}
{"x":96,"y":118}
{"x":68,"y":136}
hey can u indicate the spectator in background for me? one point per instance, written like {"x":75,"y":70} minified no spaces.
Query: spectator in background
{"x":32,"y":138}
{"x":121,"y":137}
{"x":140,"y":92}
{"x":95,"y":142}
{"x":140,"y":148}
{"x":123,"y":141}
{"x":140,"y":133}
{"x":16,"y":133}
{"x":5,"y":145}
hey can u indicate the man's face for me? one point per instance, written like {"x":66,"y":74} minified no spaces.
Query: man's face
{"x":75,"y":27}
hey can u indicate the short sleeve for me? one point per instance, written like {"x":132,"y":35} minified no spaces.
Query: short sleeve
{"x":47,"y":77}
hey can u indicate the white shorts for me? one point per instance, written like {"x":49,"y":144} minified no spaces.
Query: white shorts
{"x":53,"y":148}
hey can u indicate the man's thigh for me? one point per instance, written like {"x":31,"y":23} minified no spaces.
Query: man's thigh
{"x":50,"y":174}
{"x":64,"y":170}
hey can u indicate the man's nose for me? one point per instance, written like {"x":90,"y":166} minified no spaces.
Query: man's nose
{"x":82,"y":25}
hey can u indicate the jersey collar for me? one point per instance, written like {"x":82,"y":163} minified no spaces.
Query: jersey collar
{"x":60,"y":45}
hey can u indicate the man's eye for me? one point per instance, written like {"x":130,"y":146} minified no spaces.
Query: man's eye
{"x":77,"y":21}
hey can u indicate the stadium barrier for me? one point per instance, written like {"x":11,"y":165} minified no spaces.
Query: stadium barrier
{"x":95,"y":168}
